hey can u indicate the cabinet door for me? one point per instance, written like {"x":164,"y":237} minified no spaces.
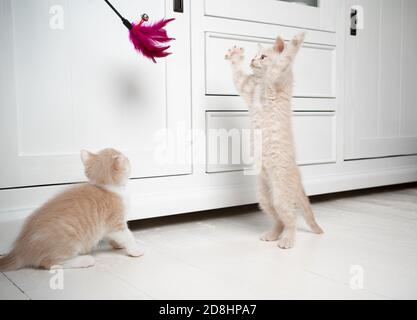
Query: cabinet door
{"x":70,"y":79}
{"x":381,"y":73}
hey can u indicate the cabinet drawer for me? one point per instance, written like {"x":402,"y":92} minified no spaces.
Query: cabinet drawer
{"x":319,"y":15}
{"x":228,"y":139}
{"x":314,"y":68}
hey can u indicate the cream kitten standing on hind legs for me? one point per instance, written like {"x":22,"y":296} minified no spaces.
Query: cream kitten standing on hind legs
{"x":66,"y":228}
{"x":268,"y":93}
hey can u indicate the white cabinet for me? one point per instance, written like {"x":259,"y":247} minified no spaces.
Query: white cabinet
{"x":315,"y":84}
{"x":381,"y":77}
{"x":70,"y":79}
{"x":81,"y":85}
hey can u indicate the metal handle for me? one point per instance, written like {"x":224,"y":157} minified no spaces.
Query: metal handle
{"x":353,"y":22}
{"x":179,"y":6}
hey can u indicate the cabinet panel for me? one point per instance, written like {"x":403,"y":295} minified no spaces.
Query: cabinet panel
{"x":228,"y":139}
{"x":74,"y":81}
{"x":314,"y":69}
{"x":381,"y":74}
{"x":320,"y":17}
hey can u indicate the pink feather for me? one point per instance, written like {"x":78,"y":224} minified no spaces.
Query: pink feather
{"x":149,"y":39}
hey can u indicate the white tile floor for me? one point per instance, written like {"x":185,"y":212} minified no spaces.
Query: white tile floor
{"x":217,"y":255}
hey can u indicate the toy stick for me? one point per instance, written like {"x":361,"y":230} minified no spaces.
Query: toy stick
{"x":147,"y":39}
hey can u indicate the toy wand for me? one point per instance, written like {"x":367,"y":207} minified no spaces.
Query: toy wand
{"x":148,"y":39}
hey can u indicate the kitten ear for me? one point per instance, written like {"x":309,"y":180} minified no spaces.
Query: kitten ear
{"x":279,"y":45}
{"x":86,"y":156}
{"x":118,"y":162}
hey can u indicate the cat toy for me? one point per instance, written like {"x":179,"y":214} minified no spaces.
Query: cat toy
{"x":148,"y":39}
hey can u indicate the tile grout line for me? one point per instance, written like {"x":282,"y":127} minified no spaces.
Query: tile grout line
{"x":14,"y":284}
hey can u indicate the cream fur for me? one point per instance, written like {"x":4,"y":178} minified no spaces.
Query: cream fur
{"x":66,"y":228}
{"x":268,"y":93}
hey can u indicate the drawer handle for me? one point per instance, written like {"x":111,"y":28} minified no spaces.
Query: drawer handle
{"x":179,"y":6}
{"x":353,"y":22}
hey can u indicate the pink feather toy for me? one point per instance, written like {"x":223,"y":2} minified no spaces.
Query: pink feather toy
{"x":148,"y":39}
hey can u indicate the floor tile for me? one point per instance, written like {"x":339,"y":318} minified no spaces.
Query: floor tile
{"x":8,"y":291}
{"x":368,"y":251}
{"x":92,"y":283}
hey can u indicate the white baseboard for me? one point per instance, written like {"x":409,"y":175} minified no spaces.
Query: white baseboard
{"x":361,"y":180}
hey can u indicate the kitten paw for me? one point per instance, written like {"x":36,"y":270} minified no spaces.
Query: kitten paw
{"x":286,"y":242}
{"x":235,"y":54}
{"x":271,"y":235}
{"x":298,"y":39}
{"x":87,"y":262}
{"x":135,"y":252}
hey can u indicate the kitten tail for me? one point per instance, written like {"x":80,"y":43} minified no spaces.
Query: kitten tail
{"x":10,"y":262}
{"x":308,"y":213}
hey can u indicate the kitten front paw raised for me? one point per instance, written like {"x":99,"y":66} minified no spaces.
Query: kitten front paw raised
{"x":298,"y":39}
{"x":235,"y":54}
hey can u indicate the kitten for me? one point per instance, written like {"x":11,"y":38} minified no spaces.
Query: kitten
{"x":66,"y":228}
{"x":268,"y":93}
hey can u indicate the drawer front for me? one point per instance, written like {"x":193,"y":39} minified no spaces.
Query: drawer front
{"x":320,"y":15}
{"x":314,"y":68}
{"x":228,"y":139}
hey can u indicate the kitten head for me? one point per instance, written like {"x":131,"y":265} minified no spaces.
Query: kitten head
{"x":107,"y":167}
{"x":266,"y":56}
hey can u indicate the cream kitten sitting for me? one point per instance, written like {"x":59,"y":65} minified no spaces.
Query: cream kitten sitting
{"x":268,"y":93}
{"x":66,"y":228}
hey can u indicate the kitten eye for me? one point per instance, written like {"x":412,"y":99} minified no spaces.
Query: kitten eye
{"x":263,"y":57}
